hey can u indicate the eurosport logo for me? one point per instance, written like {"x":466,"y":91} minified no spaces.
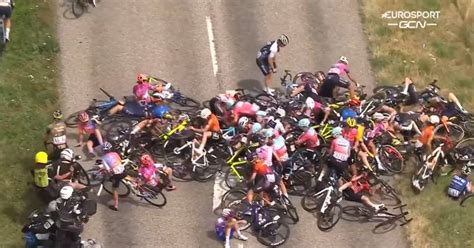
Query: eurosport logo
{"x":411,"y":19}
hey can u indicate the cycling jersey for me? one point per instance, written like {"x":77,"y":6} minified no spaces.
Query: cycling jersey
{"x":213,"y":124}
{"x":339,"y":69}
{"x":360,"y":133}
{"x":89,"y":127}
{"x":149,"y":174}
{"x":458,"y":186}
{"x":113,"y":162}
{"x":268,"y":51}
{"x":350,"y":134}
{"x":265,"y":153}
{"x":341,"y":148}
{"x":261,"y":168}
{"x":426,"y":134}
{"x":245,"y":108}
{"x":280,"y":148}
{"x":141,"y":91}
{"x":276,"y":125}
{"x":378,"y":129}
{"x":57,"y":131}
{"x":61,"y":168}
{"x":309,"y":138}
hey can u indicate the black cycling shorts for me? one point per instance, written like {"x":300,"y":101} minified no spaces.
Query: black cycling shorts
{"x":6,"y":11}
{"x":263,"y":65}
{"x":117,"y":178}
{"x":262,"y":184}
{"x":341,"y":167}
{"x":350,"y":195}
{"x":331,"y":82}
{"x":95,"y":141}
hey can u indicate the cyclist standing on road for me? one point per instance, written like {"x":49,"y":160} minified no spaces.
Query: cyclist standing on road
{"x":334,"y":79}
{"x":112,"y":162}
{"x":266,"y":59}
{"x":45,"y":187}
{"x":56,"y":133}
{"x":6,"y":9}
{"x":89,"y":127}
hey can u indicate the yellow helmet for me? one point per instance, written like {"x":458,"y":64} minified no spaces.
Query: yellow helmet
{"x":351,"y":122}
{"x":41,"y":158}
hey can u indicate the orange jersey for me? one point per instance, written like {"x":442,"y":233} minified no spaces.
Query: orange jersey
{"x":214,"y":124}
{"x":426,"y":135}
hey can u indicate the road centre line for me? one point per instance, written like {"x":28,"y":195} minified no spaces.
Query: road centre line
{"x":212,"y":46}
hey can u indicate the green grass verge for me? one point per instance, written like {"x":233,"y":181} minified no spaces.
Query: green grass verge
{"x":28,"y":96}
{"x":444,"y":52}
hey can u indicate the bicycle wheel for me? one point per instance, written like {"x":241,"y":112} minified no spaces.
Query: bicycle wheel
{"x":123,"y":189}
{"x":456,"y":132}
{"x":311,"y":202}
{"x":273,"y":233}
{"x":155,"y":198}
{"x":81,"y":175}
{"x":182,"y":172}
{"x":391,"y":158}
{"x":291,"y":210}
{"x":467,"y":200}
{"x":465,"y":143}
{"x":264,"y":100}
{"x":231,"y":196}
{"x":239,"y":207}
{"x":73,"y":119}
{"x":386,"y":226}
{"x":78,"y":8}
{"x":330,"y":217}
{"x":233,"y":181}
{"x":96,"y":177}
{"x":206,"y":172}
{"x":353,"y":213}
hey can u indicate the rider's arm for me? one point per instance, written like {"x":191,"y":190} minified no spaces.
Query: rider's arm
{"x":81,"y":136}
{"x":252,"y":178}
{"x":298,"y":90}
{"x":277,"y":158}
{"x":350,"y":78}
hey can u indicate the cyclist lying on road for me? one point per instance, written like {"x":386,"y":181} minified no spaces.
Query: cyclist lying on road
{"x":226,"y":226}
{"x":460,"y":184}
{"x":148,"y":170}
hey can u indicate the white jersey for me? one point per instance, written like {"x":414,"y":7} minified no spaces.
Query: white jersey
{"x":273,"y":50}
{"x":5,"y":2}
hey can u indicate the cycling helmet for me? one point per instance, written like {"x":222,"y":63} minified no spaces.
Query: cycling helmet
{"x":205,"y":113}
{"x":41,"y":158}
{"x":83,"y":117}
{"x":284,"y":40}
{"x":309,"y":103}
{"x":344,"y":60}
{"x":351,"y":122}
{"x":348,"y":112}
{"x":304,"y":122}
{"x":58,"y":114}
{"x":268,"y":133}
{"x":243,"y":121}
{"x":106,"y":147}
{"x":67,"y":154}
{"x":434,"y":119}
{"x":337,"y":131}
{"x":281,"y":112}
{"x":378,"y":116}
{"x":354,"y":102}
{"x":146,"y":160}
{"x":256,"y":127}
{"x":142,"y":78}
{"x":227,"y":212}
{"x":229,"y":103}
{"x":161,"y":110}
{"x":66,"y":192}
{"x":466,"y":170}
{"x":261,"y":113}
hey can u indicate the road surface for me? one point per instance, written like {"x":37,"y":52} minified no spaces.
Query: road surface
{"x":203,"y":47}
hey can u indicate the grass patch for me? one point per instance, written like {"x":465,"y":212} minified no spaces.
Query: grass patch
{"x":443,"y":52}
{"x":28,"y":96}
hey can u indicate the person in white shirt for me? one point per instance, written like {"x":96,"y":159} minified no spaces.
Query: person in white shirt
{"x":266,"y":59}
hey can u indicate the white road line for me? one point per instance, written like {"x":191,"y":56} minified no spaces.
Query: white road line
{"x":219,"y":190}
{"x":212,"y":46}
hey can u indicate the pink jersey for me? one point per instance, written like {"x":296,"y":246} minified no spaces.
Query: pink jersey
{"x":350,"y":135}
{"x":265,"y":153}
{"x":378,"y":129}
{"x":309,"y":138}
{"x":141,"y":91}
{"x":341,"y":149}
{"x":113,"y":162}
{"x":245,"y":108}
{"x":89,"y":127}
{"x":339,"y":69}
{"x":149,"y":174}
{"x":280,"y":148}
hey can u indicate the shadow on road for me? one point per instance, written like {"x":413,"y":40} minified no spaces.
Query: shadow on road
{"x":251,"y":85}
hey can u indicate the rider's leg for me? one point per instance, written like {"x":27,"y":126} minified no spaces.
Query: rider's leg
{"x":205,"y":136}
{"x":235,"y":224}
{"x":169,"y":172}
{"x":366,"y":200}
{"x":453,"y":98}
{"x":250,"y":196}
{"x":8,"y":25}
{"x":283,"y":188}
{"x":140,"y":125}
{"x":268,"y":81}
{"x":327,"y":112}
{"x":407,"y":84}
{"x":363,"y":156}
{"x":116,"y":109}
{"x":352,"y":90}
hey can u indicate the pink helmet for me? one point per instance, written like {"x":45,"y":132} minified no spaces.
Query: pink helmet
{"x":83,"y":117}
{"x":142,"y":78}
{"x":146,"y":160}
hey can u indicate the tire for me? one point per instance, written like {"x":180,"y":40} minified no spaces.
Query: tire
{"x":206,"y":173}
{"x":352,"y":213}
{"x":95,"y":177}
{"x":239,"y":207}
{"x":465,"y":200}
{"x":311,"y":203}
{"x":206,"y":104}
{"x":264,"y":100}
{"x":82,"y":176}
{"x":267,"y":233}
{"x":456,"y":132}
{"x":157,"y":199}
{"x":391,"y":158}
{"x":231,"y":196}
{"x":385,"y":226}
{"x":389,"y":90}
{"x":232,"y":181}
{"x":330,"y":217}
{"x":301,"y":183}
{"x":123,"y":189}
{"x":116,"y":128}
{"x":182,"y":172}
{"x":291,"y":211}
{"x":469,"y":127}
{"x":72,"y":120}
{"x":78,"y":8}
{"x":464,"y":143}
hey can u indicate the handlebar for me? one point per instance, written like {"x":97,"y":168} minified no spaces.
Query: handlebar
{"x":107,"y":94}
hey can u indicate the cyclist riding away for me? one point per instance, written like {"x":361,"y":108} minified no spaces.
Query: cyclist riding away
{"x":211,"y":130}
{"x":148,"y":170}
{"x":226,"y":226}
{"x":6,"y":9}
{"x":266,"y":59}
{"x":89,"y":127}
{"x":460,"y":184}
{"x":112,"y":162}
{"x":56,"y":134}
{"x":334,"y":79}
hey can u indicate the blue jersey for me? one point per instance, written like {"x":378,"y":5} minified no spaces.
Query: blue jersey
{"x":458,"y":186}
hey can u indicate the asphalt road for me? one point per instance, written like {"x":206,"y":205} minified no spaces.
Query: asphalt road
{"x":108,"y":46}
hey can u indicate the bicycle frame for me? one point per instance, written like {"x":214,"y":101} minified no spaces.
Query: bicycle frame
{"x":233,"y":164}
{"x":177,"y":129}
{"x":434,"y":157}
{"x":191,"y":145}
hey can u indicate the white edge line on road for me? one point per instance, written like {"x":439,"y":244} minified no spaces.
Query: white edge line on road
{"x":212,"y":46}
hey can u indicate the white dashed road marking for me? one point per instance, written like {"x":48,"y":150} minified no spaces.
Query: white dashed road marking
{"x":212,"y":46}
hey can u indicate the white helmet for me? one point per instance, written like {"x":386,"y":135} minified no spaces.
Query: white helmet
{"x":66,"y":192}
{"x":378,"y":116}
{"x":344,"y":60}
{"x":226,"y":212}
{"x":205,"y":113}
{"x":243,"y":121}
{"x":304,"y":122}
{"x":284,"y":39}
{"x":281,"y":112}
{"x":67,"y":154}
{"x":434,"y":119}
{"x":309,"y":103}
